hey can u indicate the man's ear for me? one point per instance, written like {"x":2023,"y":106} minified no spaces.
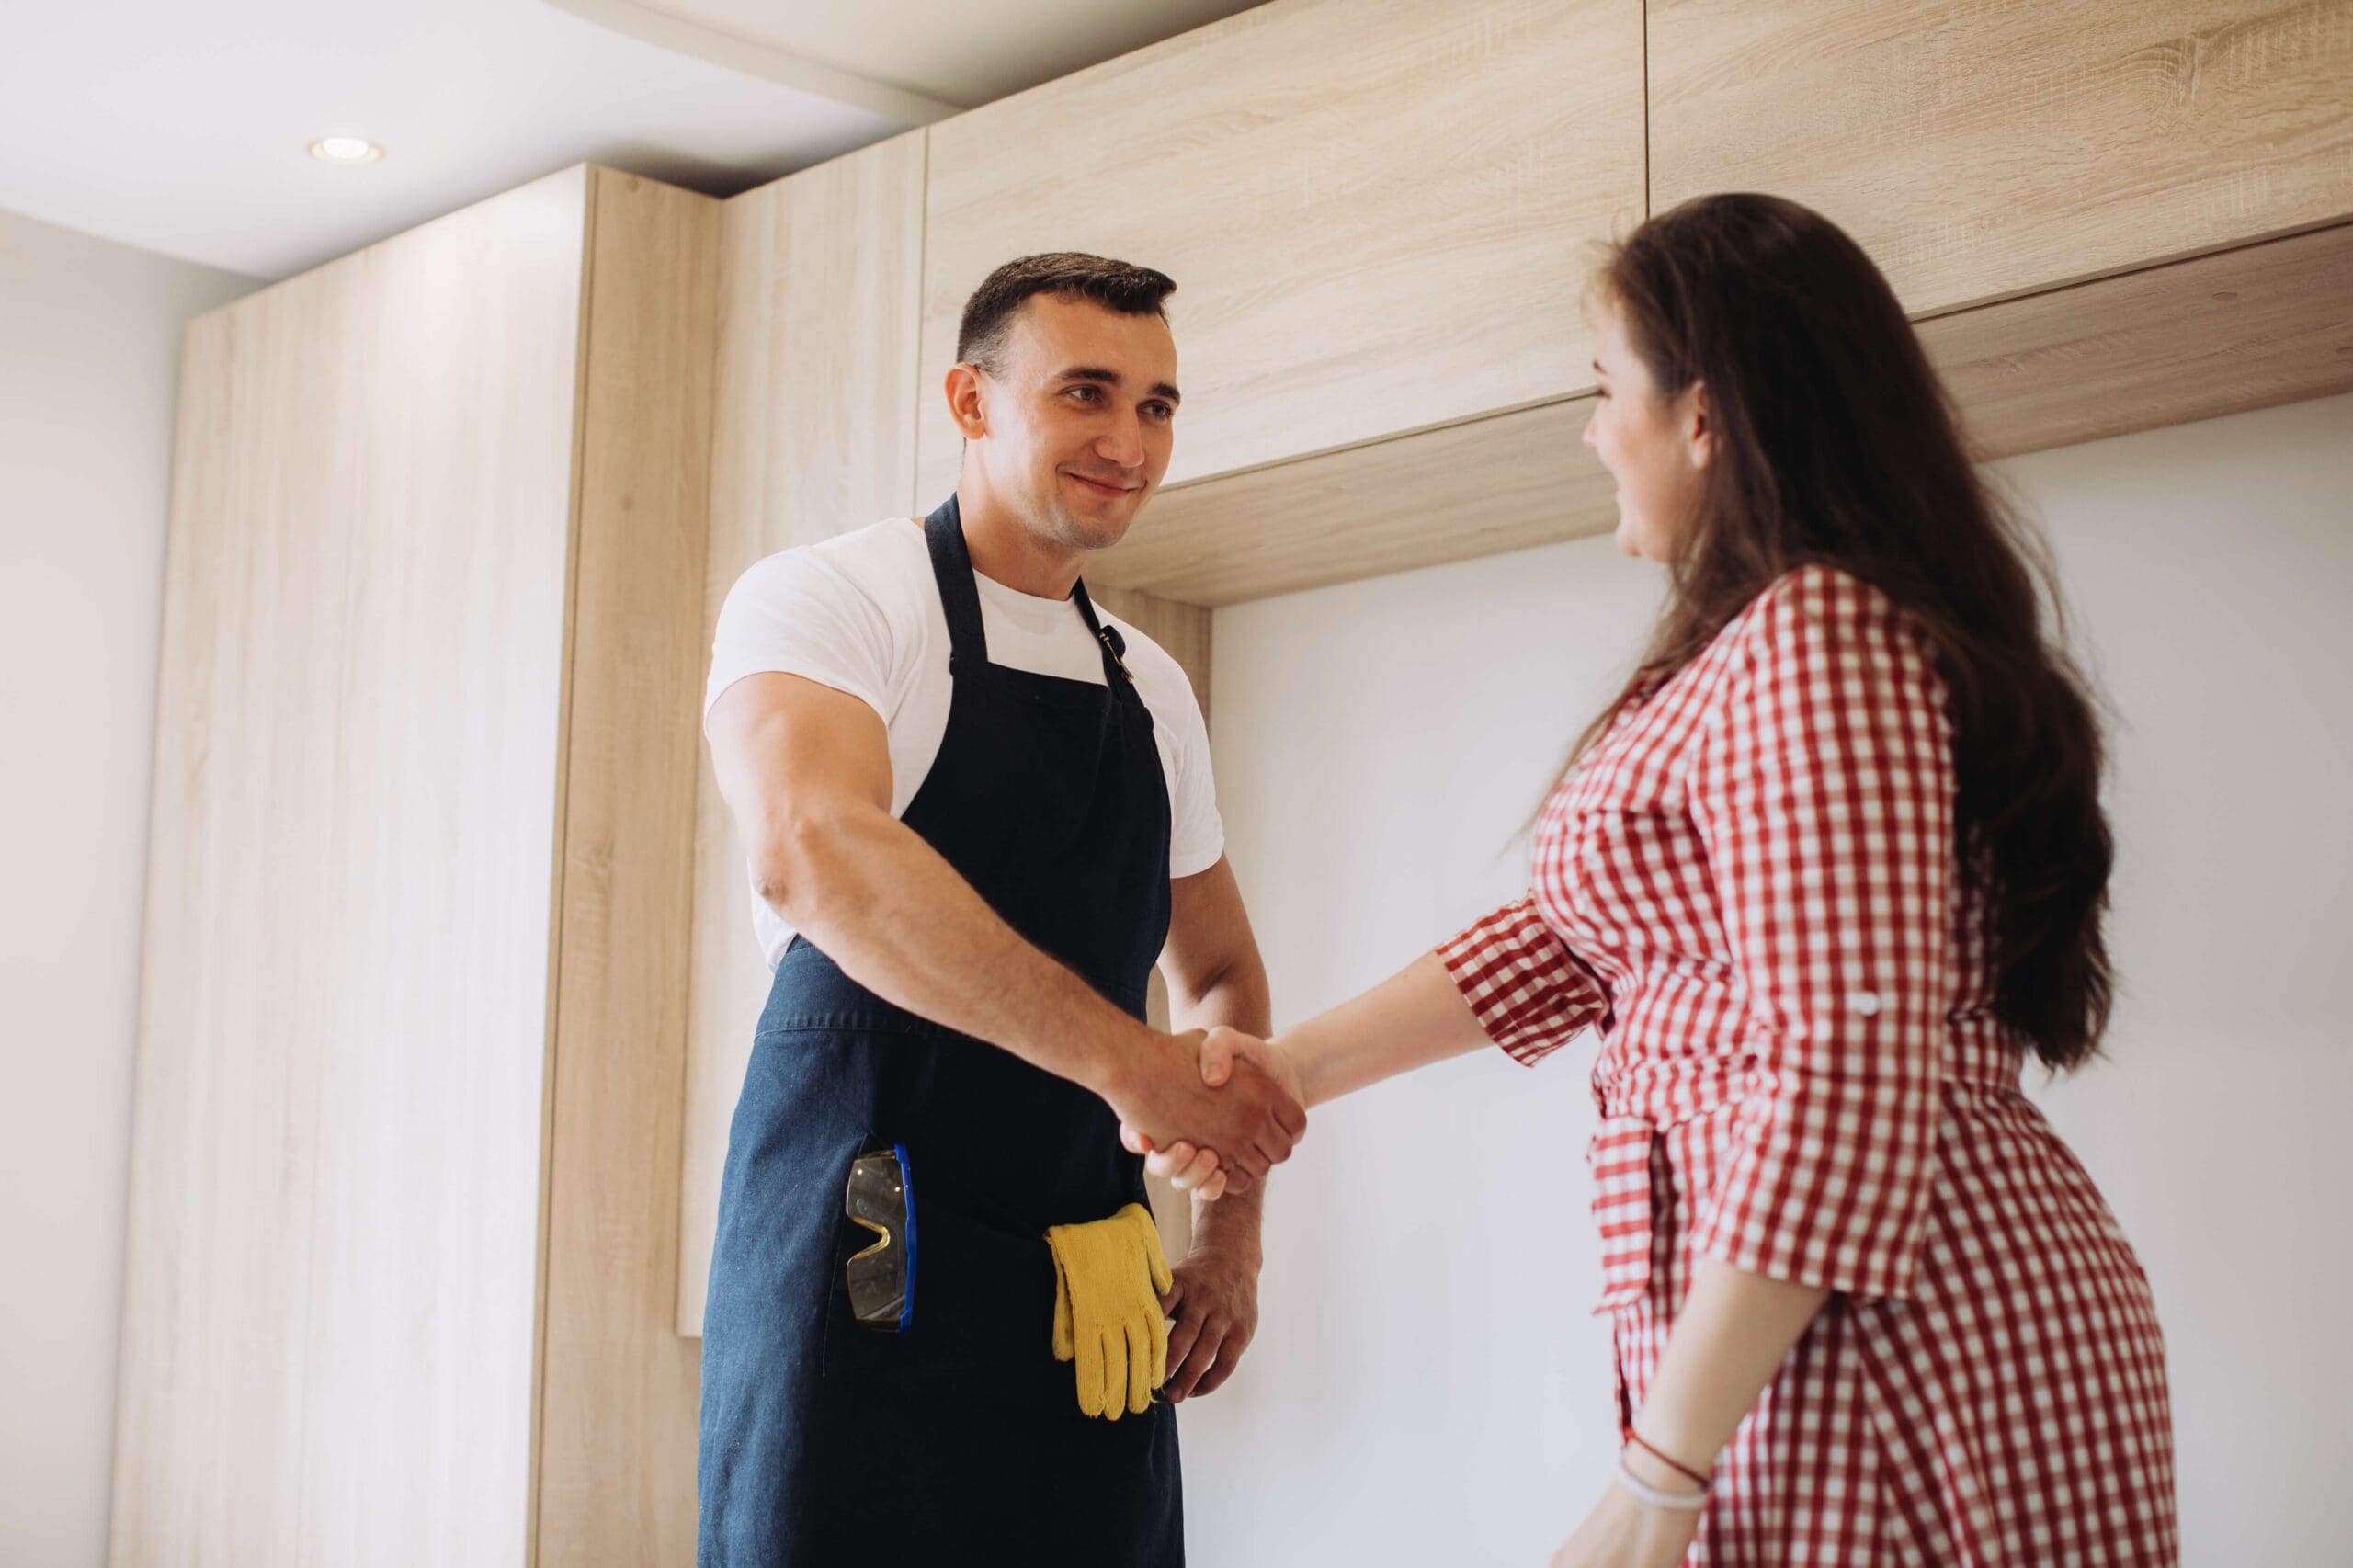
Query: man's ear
{"x":1698,"y":425}
{"x":967,"y":402}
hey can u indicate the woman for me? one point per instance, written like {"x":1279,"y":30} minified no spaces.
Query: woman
{"x":1825,"y":874}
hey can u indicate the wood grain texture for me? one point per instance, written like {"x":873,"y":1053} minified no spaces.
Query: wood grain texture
{"x":813,"y":436}
{"x":1373,"y":211}
{"x":2248,"y":328}
{"x":329,"y":1308}
{"x":1479,"y":488}
{"x":619,"y":1386}
{"x":1982,"y":150}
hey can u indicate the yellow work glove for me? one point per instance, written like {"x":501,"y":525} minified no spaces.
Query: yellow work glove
{"x":1108,"y":1277}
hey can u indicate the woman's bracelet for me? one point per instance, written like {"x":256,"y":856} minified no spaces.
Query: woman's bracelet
{"x":1643,"y":1492}
{"x":1678,"y":1466}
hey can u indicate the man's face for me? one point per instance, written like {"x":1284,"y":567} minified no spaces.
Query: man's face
{"x":1078,"y":425}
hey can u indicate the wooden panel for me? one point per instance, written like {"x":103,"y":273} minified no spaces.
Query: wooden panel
{"x":1480,"y":488}
{"x":2249,"y":328}
{"x":813,"y":407}
{"x":1981,"y":151}
{"x":619,"y":1387}
{"x":329,"y":1306}
{"x":1372,"y":209}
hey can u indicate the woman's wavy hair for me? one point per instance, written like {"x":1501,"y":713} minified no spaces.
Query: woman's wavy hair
{"x":1835,"y":443}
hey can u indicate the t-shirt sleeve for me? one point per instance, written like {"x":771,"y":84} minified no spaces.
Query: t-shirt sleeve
{"x":797,"y":613}
{"x":1195,"y":831}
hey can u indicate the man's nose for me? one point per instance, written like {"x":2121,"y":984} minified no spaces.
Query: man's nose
{"x":1123,"y":442}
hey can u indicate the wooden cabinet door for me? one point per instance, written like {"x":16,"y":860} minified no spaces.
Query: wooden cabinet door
{"x":331,"y":1303}
{"x":1979,"y":151}
{"x":1372,"y":209}
{"x":405,"y":1131}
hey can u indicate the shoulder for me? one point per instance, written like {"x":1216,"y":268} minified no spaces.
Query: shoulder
{"x":1829,"y":631}
{"x":1817,"y":591}
{"x":877,"y":561}
{"x":1817,"y":604}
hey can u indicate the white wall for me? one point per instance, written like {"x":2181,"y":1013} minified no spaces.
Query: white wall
{"x":1428,"y":1386}
{"x":89,"y":356}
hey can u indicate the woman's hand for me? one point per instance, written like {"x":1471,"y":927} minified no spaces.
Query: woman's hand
{"x":1191,"y":1168}
{"x":1624,"y":1531}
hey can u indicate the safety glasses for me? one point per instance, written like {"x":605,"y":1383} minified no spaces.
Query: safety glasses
{"x":882,"y":1278}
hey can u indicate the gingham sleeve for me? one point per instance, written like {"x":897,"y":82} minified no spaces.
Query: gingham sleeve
{"x":1531,"y":994}
{"x":1823,"y":796}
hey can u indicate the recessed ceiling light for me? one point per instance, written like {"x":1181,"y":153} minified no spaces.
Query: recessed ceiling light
{"x":345,"y":150}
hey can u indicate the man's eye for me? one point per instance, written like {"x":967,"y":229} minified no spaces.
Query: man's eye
{"x":1162,"y":411}
{"x":1086,"y":394}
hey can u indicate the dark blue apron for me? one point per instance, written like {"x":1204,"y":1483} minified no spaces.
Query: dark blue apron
{"x":828,"y":1445}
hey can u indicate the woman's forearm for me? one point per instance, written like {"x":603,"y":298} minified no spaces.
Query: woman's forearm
{"x":1415,"y":1017}
{"x":1732,"y":1334}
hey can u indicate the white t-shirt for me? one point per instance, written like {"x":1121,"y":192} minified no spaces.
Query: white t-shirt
{"x":861,"y":614}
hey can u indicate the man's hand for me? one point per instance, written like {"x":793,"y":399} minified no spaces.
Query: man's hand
{"x":1196,"y":1164}
{"x":1161,"y":1094}
{"x":1216,"y":1303}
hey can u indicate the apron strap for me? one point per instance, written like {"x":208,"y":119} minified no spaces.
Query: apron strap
{"x":951,"y":566}
{"x":1115,"y":665}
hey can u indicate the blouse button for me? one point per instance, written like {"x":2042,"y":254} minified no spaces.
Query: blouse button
{"x":1867,"y":1004}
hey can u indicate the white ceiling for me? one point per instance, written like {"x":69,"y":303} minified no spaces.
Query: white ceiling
{"x":955,"y":55}
{"x":184,"y":128}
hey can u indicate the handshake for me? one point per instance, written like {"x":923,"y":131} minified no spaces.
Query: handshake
{"x":1211,"y":1110}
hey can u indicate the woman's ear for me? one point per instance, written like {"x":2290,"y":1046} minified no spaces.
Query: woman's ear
{"x":1698,"y":425}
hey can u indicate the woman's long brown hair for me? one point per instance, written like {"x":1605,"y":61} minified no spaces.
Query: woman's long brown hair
{"x":1835,"y":443}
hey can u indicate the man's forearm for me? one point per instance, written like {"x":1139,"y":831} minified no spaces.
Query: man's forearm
{"x":889,"y":909}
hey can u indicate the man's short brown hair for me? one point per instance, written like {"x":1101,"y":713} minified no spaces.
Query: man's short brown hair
{"x":1115,"y":285}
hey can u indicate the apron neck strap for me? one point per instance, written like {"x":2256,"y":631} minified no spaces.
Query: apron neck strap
{"x":951,"y":567}
{"x":1115,"y":647}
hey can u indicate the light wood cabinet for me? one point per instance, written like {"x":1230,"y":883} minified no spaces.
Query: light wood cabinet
{"x":1509,"y":481}
{"x":2106,"y":218}
{"x":2222,"y":334}
{"x":1373,"y":211}
{"x":405,"y":1150}
{"x":1979,"y":152}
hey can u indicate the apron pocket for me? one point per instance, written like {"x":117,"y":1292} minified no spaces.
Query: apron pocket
{"x":1620,"y":1157}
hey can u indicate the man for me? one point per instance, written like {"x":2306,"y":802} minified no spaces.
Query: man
{"x":975,"y":811}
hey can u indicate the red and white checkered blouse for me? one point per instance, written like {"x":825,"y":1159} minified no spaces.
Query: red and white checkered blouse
{"x":1751,"y":885}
